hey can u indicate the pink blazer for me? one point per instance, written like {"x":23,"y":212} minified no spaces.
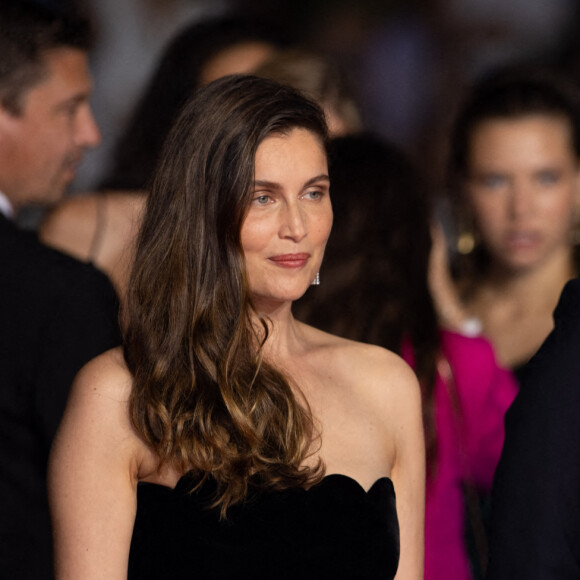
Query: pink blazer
{"x":468,"y":447}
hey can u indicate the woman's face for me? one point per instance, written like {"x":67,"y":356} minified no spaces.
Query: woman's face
{"x":289,"y":220}
{"x":522,"y":187}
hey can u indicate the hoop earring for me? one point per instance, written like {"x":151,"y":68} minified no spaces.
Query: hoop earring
{"x":465,"y":243}
{"x":316,"y":281}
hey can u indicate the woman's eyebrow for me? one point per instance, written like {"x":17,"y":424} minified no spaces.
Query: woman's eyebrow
{"x":267,"y":184}
{"x":321,"y":177}
{"x":274,"y":185}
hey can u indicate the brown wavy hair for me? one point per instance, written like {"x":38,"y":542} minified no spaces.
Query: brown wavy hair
{"x":204,"y":399}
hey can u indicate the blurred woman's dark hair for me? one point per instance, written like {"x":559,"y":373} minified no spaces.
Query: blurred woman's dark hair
{"x":320,"y":77}
{"x":511,"y":93}
{"x":374,"y":285}
{"x":177,"y":76}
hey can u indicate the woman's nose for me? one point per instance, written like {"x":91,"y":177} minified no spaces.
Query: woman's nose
{"x":521,"y":199}
{"x":293,"y":223}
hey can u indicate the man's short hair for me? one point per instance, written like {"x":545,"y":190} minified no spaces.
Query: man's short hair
{"x":28,"y":31}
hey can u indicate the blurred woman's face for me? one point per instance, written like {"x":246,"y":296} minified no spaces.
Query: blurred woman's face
{"x":289,"y":220}
{"x":522,"y":186}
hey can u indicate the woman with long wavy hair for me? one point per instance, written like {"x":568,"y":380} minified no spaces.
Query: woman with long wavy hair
{"x":227,"y":438}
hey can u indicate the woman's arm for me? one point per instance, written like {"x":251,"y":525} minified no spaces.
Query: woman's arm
{"x":93,"y":475}
{"x":408,"y":473}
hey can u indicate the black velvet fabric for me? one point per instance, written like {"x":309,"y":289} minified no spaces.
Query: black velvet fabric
{"x":335,"y":529}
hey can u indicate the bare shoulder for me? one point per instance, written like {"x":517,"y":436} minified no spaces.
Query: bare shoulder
{"x":96,"y":425}
{"x":70,"y":226}
{"x":99,"y":399}
{"x":77,"y":207}
{"x":370,"y":370}
{"x":124,"y":207}
{"x":376,"y":362}
{"x":106,"y":375}
{"x":129,"y":200}
{"x":124,"y":214}
{"x":382,"y":376}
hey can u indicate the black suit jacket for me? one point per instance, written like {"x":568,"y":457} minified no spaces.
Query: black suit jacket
{"x":535,"y":528}
{"x":55,"y":315}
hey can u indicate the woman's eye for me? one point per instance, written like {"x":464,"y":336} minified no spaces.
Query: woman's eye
{"x":262,"y":199}
{"x":548,"y":177}
{"x":314,"y":194}
{"x":492,"y":181}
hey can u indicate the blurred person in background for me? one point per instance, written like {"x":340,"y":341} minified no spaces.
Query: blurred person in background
{"x":514,"y":190}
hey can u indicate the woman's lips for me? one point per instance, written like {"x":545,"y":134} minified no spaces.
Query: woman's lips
{"x":290,"y":260}
{"x":521,"y":240}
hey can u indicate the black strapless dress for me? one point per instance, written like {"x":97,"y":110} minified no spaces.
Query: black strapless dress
{"x":335,"y":529}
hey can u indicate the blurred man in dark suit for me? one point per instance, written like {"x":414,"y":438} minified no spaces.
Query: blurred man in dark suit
{"x":55,"y":313}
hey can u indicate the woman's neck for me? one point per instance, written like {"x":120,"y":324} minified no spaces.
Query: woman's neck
{"x":284,"y":336}
{"x":534,"y":286}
